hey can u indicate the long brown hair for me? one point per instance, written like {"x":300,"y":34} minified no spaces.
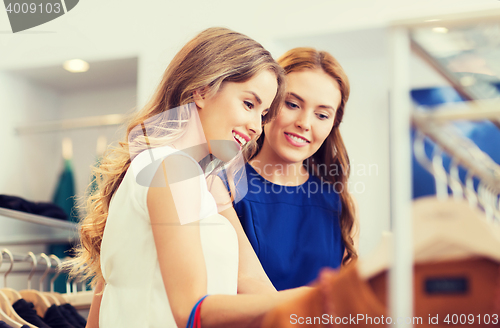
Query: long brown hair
{"x":332,"y":153}
{"x":214,"y":56}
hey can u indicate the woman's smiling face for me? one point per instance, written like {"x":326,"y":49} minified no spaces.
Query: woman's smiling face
{"x":235,"y":112}
{"x":306,"y":118}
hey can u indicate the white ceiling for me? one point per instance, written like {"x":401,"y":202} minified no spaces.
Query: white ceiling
{"x":101,"y":74}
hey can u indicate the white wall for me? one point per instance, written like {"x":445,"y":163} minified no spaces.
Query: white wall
{"x":22,"y":160}
{"x":117,"y":100}
{"x":24,"y":102}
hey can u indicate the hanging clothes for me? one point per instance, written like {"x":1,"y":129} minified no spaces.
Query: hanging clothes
{"x":100,"y":149}
{"x":93,"y":183}
{"x":74,"y":313}
{"x":55,"y":319}
{"x":39,"y":208}
{"x":68,"y":317}
{"x":64,"y":195}
{"x":4,"y":325}
{"x":27,"y":311}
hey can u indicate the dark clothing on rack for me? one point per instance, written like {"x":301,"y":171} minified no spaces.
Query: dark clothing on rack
{"x":69,"y":317}
{"x":40,"y":208}
{"x":4,"y":325}
{"x":27,"y":311}
{"x":64,"y":196}
{"x":71,"y":309}
{"x":55,"y":319}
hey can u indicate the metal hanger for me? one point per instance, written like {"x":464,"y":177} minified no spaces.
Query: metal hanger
{"x":68,"y":285}
{"x":59,"y":296}
{"x":419,"y":150}
{"x":30,"y":295}
{"x":12,"y":294}
{"x":455,"y":182}
{"x":440,"y":175}
{"x":470,"y":191}
{"x":9,"y":296}
{"x":52,"y":300}
{"x":489,"y":201}
{"x":483,"y":196}
{"x":58,"y":272}
{"x":6,"y":314}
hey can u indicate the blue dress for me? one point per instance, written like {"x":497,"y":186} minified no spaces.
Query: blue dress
{"x":294,"y":230}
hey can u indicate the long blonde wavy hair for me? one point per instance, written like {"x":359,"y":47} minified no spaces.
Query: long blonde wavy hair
{"x":332,"y":153}
{"x":214,"y":56}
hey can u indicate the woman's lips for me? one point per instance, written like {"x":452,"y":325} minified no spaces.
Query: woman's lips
{"x":240,"y":138}
{"x":295,"y":140}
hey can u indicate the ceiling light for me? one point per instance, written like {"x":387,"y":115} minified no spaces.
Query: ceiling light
{"x":440,"y":30}
{"x":76,"y":66}
{"x":432,"y":20}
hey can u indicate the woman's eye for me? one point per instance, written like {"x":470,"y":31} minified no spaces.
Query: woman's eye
{"x":248,"y":104}
{"x":323,"y":116}
{"x":291,"y":105}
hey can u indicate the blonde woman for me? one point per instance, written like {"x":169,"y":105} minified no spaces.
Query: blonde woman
{"x":152,"y":239}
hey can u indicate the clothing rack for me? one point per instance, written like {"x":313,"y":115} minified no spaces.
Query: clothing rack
{"x":79,"y":298}
{"x":66,"y":231}
{"x":400,"y":117}
{"x":21,"y":258}
{"x":471,"y":110}
{"x":18,"y":258}
{"x":40,"y":266}
{"x":38,"y":219}
{"x":72,"y":124}
{"x":485,"y":169}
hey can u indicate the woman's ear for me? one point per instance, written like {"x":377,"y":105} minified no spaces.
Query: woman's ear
{"x":199,"y":96}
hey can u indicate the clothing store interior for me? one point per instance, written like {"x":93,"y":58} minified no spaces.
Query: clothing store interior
{"x":420,"y":128}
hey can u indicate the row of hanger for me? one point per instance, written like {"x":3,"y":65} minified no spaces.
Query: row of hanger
{"x":461,"y":226}
{"x":42,"y":300}
{"x":485,"y":197}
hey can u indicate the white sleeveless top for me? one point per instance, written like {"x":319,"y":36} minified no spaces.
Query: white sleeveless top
{"x":135,"y":295}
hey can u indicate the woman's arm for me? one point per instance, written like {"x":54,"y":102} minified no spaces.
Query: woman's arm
{"x":244,"y":311}
{"x":252,"y":279}
{"x":182,"y":263}
{"x":93,"y":318}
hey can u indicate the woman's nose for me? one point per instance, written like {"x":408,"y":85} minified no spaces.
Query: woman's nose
{"x":303,"y":121}
{"x":255,"y":127}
